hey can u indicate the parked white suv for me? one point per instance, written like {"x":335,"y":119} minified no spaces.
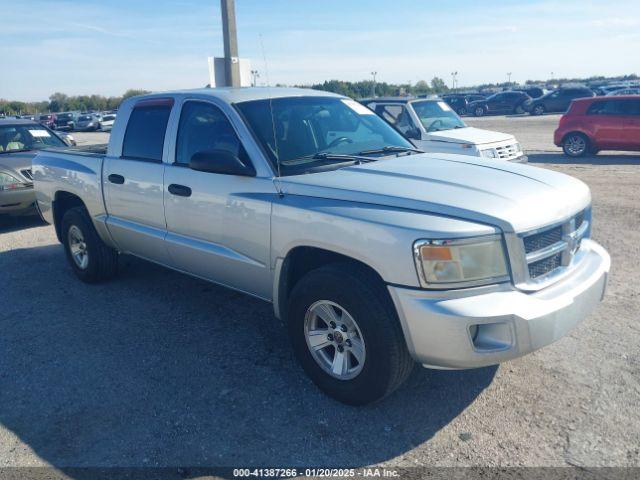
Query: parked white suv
{"x":434,"y":127}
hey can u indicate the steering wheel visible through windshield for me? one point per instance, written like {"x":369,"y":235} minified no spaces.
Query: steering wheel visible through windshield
{"x":437,"y":115}
{"x":303,"y":134}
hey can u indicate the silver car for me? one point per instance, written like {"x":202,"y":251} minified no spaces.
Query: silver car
{"x":20,"y":140}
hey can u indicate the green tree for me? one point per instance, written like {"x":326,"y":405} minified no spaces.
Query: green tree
{"x":438,"y":85}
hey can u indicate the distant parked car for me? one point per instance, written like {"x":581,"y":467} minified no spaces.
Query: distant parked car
{"x":533,"y":92}
{"x":106,"y":124}
{"x":48,"y":120}
{"x":558,"y":100}
{"x":459,"y":102}
{"x":499,"y":103}
{"x":433,"y":126}
{"x":66,"y":121}
{"x":88,"y":122}
{"x":624,"y":91}
{"x":601,"y":123}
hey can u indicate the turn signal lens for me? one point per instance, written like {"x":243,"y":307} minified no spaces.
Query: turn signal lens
{"x":433,"y":252}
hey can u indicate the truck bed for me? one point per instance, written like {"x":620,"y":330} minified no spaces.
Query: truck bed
{"x":88,"y":150}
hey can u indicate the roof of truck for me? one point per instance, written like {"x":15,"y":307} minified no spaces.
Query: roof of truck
{"x":245,"y":94}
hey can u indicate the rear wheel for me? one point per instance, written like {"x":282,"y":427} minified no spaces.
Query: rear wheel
{"x":462,"y":111}
{"x":91,"y":259}
{"x":576,"y":145}
{"x":346,"y":334}
{"x":479,"y":111}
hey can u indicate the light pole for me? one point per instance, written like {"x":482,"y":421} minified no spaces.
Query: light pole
{"x":508,"y":78}
{"x":230,"y":36}
{"x":373,"y":85}
{"x":454,"y":80}
{"x":254,"y":77}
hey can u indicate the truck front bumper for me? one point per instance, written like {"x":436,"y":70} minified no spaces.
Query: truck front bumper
{"x":484,"y":326}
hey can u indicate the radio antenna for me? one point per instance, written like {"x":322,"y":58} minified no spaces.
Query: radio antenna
{"x":273,"y":120}
{"x":264,"y":59}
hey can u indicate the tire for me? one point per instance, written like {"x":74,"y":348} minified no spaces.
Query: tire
{"x":576,"y":145}
{"x":462,"y":111}
{"x":538,"y":110}
{"x":99,"y":262}
{"x":519,"y":110}
{"x":373,"y":326}
{"x":479,"y":111}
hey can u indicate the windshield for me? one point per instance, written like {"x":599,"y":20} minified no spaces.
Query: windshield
{"x":436,"y":116}
{"x":302,"y":128}
{"x":85,"y":118}
{"x":14,"y":138}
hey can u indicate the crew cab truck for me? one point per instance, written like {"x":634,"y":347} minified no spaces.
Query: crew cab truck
{"x":374,"y":255}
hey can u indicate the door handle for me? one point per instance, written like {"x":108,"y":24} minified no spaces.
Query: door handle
{"x":115,"y":178}
{"x":179,"y":190}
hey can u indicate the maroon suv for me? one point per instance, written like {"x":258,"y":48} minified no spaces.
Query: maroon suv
{"x":48,"y":120}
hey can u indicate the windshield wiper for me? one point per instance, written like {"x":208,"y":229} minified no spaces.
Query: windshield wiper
{"x":341,"y":156}
{"x":390,"y":149}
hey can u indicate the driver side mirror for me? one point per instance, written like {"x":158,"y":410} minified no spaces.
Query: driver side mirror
{"x":413,"y":134}
{"x":222,"y":162}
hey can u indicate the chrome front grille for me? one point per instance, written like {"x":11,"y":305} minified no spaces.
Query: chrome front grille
{"x":549,"y":249}
{"x":507,"y":152}
{"x":538,"y":241}
{"x":26,"y":173}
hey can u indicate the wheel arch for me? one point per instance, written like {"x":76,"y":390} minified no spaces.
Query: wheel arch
{"x":299,"y":261}
{"x":62,"y":202}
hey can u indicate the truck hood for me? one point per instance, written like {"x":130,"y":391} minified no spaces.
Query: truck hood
{"x":512,"y":197}
{"x":473,"y":135}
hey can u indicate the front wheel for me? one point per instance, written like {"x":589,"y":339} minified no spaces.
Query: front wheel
{"x":538,"y":110}
{"x":91,"y":259}
{"x":462,"y":111}
{"x":479,"y":111}
{"x":346,"y":334}
{"x":575,"y":145}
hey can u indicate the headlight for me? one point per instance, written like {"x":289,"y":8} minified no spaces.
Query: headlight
{"x":468,"y":262}
{"x":9,"y":182}
{"x":489,"y":153}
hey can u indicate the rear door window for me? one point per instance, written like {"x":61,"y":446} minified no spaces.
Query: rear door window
{"x":144,"y":137}
{"x":609,"y":107}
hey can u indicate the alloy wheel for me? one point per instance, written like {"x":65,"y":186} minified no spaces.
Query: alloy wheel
{"x":78,"y":247}
{"x":334,"y":340}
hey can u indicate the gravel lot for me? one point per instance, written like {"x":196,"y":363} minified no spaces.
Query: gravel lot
{"x":160,"y":369}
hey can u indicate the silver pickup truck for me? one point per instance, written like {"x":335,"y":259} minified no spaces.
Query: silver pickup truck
{"x":375,"y":255}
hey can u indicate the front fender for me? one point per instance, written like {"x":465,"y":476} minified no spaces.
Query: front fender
{"x":380,"y":237}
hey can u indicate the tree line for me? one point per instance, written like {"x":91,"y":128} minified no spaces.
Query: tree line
{"x":60,"y":102}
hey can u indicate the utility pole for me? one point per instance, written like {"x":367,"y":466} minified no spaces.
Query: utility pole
{"x":373,"y":86}
{"x":454,"y":80}
{"x":230,"y":35}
